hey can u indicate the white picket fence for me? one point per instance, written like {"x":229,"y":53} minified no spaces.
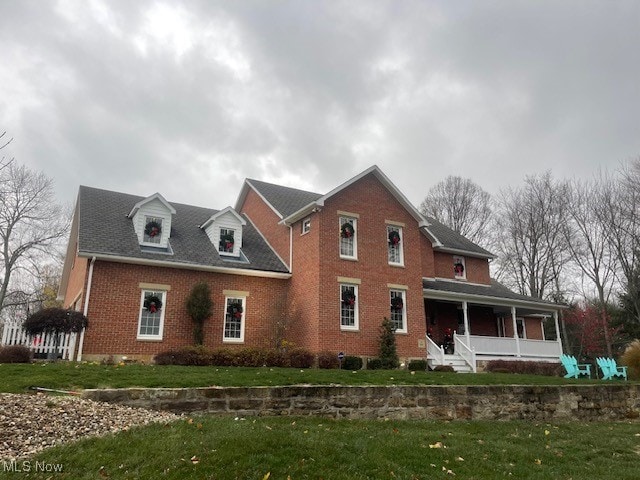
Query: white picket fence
{"x":43,"y":344}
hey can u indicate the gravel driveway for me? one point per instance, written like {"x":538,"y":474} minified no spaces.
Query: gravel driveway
{"x":31,"y":423}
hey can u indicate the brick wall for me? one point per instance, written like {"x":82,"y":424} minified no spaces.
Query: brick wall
{"x":265,"y":220}
{"x":114,"y":309}
{"x":477,"y":269}
{"x":77,"y":279}
{"x":374,"y":205}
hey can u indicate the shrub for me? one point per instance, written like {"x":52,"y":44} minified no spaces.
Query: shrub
{"x":276,"y":358}
{"x":374,"y":364}
{"x":199,"y":356}
{"x":631,"y":358}
{"x":388,"y":351}
{"x":15,"y":354}
{"x":522,"y":367}
{"x":249,"y":357}
{"x":301,"y":358}
{"x":444,"y":368}
{"x":222,"y":357}
{"x":328,"y":360}
{"x":417,"y":365}
{"x":351,"y":362}
{"x":200,"y":307}
{"x":55,"y":320}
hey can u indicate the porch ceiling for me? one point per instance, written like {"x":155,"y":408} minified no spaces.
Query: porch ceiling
{"x":496,"y":295}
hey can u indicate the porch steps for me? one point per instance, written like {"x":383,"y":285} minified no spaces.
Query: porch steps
{"x":455,"y":361}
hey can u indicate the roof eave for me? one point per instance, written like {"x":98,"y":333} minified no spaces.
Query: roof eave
{"x":466,"y":253}
{"x":489,"y":300}
{"x":184,"y":265}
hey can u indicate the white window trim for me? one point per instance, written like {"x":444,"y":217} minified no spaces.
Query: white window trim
{"x":404,"y":309}
{"x":464,"y":267}
{"x":162,"y":231}
{"x":341,"y":221}
{"x":400,"y":245}
{"x":139,"y":336}
{"x":356,"y":313}
{"x":225,"y":339}
{"x":306,"y":221}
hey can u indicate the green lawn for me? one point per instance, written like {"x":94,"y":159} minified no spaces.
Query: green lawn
{"x":17,"y":378}
{"x":314,"y":448}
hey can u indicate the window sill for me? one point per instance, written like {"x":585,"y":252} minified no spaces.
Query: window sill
{"x":401,"y":332}
{"x":397,"y":265}
{"x":349,"y":259}
{"x":349,"y":329}
{"x":233,"y":340}
{"x":148,"y":339}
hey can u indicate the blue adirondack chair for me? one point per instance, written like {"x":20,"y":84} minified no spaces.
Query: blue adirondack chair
{"x":573,"y":368}
{"x":610,"y":369}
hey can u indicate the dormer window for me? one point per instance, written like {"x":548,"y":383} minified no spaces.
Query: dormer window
{"x":227,"y":240}
{"x":152,"y":230}
{"x":151,"y":219}
{"x":224,"y":229}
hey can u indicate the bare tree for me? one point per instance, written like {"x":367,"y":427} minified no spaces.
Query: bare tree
{"x":620,"y":211}
{"x":586,"y":236}
{"x":462,"y":205}
{"x":531,"y":245}
{"x":3,"y":143}
{"x":31,"y":223}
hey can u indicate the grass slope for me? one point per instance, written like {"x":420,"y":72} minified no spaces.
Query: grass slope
{"x":17,"y":378}
{"x":300,"y":448}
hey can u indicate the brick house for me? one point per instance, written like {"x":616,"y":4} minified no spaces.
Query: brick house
{"x":318,"y":270}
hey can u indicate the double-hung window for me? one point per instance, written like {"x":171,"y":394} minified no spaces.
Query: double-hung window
{"x":398,"y":310}
{"x":348,"y":238}
{"x":348,"y":307}
{"x":151,"y":318}
{"x":394,"y":245}
{"x":234,"y":319}
{"x":459,"y":268}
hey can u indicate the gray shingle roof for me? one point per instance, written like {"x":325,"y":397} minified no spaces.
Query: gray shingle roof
{"x":104,"y":228}
{"x":452,"y":239}
{"x":495,"y":290}
{"x":288,"y":200}
{"x":285,"y":200}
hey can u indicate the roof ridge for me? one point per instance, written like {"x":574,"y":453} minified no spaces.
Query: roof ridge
{"x":283,"y":186}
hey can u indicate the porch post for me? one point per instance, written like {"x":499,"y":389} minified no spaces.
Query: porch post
{"x":465,"y":314}
{"x":558,"y":339}
{"x":515,"y":330}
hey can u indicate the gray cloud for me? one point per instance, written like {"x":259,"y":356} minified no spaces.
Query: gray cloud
{"x":188,"y":99}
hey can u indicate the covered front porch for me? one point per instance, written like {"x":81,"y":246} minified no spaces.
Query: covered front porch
{"x":469,"y":324}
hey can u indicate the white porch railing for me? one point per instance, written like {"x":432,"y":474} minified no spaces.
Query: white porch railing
{"x":508,"y":346}
{"x":14,"y":334}
{"x":467,"y":354}
{"x":435,"y":352}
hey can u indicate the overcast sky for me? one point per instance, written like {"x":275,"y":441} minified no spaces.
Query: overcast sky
{"x":189,"y":98}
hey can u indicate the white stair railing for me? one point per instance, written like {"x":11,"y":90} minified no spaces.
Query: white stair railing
{"x":435,"y":352}
{"x":466,"y":353}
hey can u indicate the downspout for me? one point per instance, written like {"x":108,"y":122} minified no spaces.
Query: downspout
{"x":86,"y":308}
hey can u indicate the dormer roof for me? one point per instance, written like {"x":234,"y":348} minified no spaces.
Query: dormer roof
{"x":149,"y":199}
{"x":106,"y":232}
{"x":221,"y":213}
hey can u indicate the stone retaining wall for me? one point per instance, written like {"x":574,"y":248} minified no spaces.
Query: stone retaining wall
{"x":510,"y":402}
